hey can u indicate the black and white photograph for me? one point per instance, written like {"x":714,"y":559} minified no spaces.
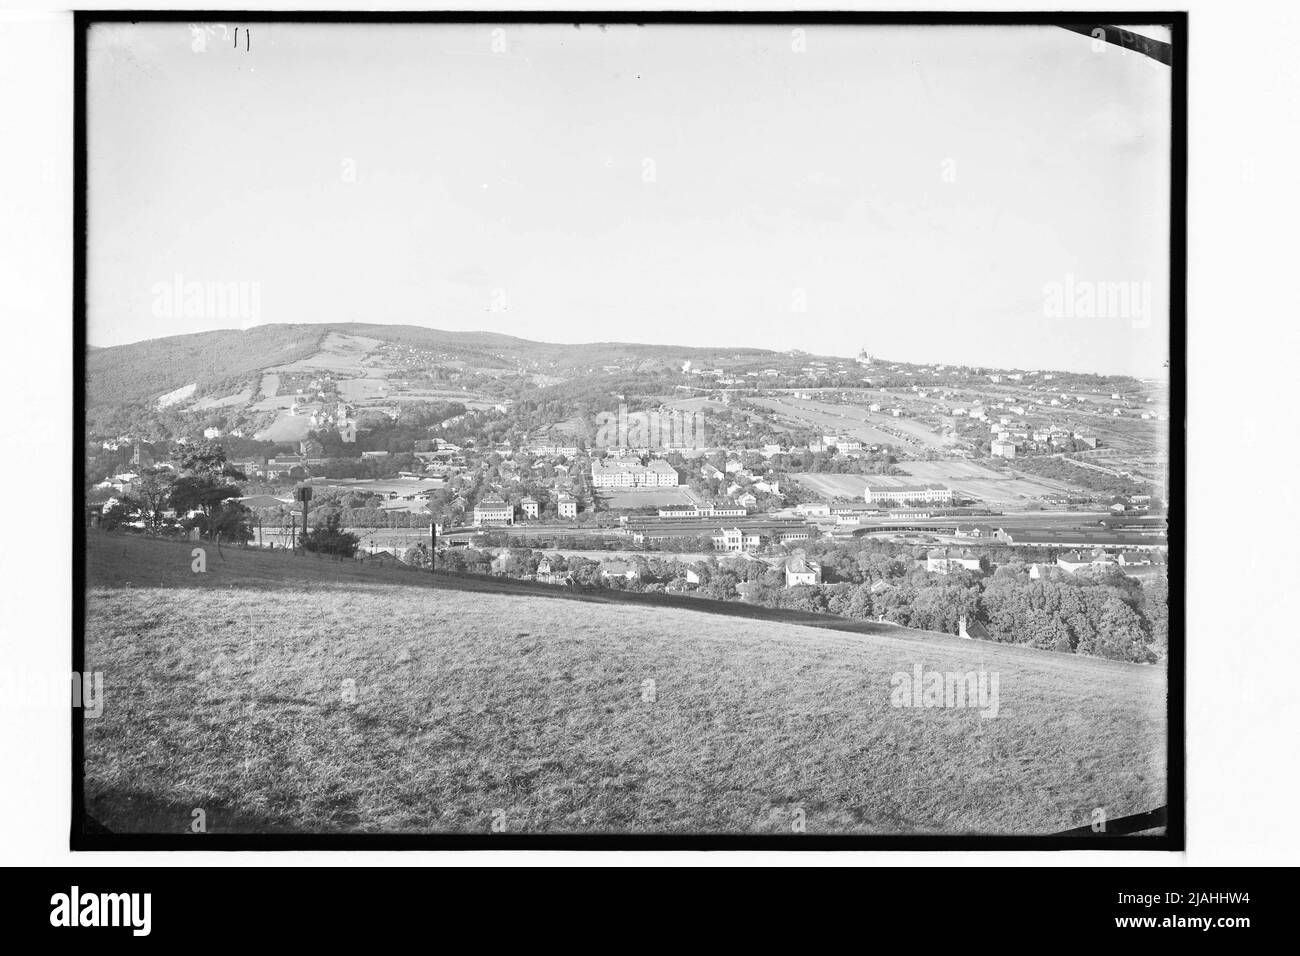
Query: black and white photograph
{"x":691,"y":437}
{"x":494,"y":438}
{"x":531,"y":430}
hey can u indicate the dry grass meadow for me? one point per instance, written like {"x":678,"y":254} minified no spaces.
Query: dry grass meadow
{"x":290,"y":694}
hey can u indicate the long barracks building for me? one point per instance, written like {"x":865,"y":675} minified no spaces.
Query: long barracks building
{"x":657,"y":474}
{"x":926,"y":494}
{"x":730,"y":534}
{"x":1083,"y":539}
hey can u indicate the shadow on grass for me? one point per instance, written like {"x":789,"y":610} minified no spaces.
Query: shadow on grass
{"x":118,"y":560}
{"x":130,"y":812}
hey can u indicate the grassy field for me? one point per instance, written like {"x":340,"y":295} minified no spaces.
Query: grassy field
{"x":286,"y":427}
{"x":291,"y":694}
{"x":616,"y":498}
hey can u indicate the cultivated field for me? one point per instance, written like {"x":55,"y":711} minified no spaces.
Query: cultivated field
{"x":984,"y":483}
{"x":834,"y":486}
{"x":855,"y":421}
{"x":338,"y":353}
{"x":695,"y":405}
{"x":964,"y":477}
{"x":291,"y":694}
{"x":236,"y":400}
{"x":362,"y":389}
{"x":177,"y":395}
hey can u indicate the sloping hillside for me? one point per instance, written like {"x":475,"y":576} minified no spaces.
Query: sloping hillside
{"x":124,"y":374}
{"x":130,"y":373}
{"x":293,"y":694}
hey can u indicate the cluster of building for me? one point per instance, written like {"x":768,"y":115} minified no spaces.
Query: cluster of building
{"x":318,"y":402}
{"x":948,"y":560}
{"x":736,"y":535}
{"x":796,"y":569}
{"x":844,"y":443}
{"x":493,"y":509}
{"x":1098,"y":560}
{"x":1011,"y":437}
{"x":552,"y":451}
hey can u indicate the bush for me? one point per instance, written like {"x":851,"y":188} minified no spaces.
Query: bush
{"x":331,"y":539}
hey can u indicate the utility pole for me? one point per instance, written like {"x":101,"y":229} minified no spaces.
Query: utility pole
{"x":303,"y":495}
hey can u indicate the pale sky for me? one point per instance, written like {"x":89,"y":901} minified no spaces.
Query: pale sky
{"x":913,"y":189}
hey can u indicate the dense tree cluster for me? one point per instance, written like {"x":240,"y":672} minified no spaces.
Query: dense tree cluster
{"x":1099,"y":614}
{"x":196,"y":492}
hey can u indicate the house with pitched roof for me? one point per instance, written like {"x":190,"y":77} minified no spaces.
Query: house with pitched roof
{"x":946,"y":560}
{"x":799,"y":571}
{"x":627,"y":570}
{"x":1072,"y":561}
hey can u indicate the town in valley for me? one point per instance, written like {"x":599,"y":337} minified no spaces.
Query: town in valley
{"x":934,"y":496}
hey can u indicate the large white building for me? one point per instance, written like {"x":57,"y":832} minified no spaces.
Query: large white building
{"x":553,"y":451}
{"x":494,"y":510}
{"x":928,"y":493}
{"x":842,"y":442}
{"x":657,"y":474}
{"x":737,"y":539}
